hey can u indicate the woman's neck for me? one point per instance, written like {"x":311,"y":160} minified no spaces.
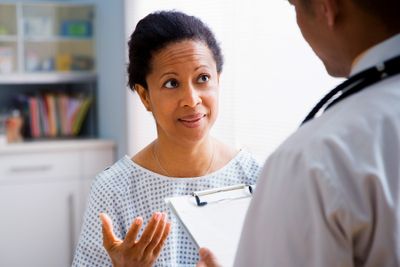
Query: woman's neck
{"x":184,"y":160}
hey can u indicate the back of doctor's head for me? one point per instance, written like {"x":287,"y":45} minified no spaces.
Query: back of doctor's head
{"x":156,"y":31}
{"x":386,"y":11}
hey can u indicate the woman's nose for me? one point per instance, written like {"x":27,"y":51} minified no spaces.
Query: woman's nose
{"x":191,"y":96}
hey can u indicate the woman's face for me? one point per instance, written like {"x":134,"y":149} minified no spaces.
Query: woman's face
{"x":182,"y":91}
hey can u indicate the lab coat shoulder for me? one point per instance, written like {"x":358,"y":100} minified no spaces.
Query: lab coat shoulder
{"x":296,"y":205}
{"x":321,"y":191}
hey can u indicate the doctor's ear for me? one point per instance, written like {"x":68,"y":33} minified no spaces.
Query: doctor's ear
{"x":144,"y":96}
{"x":329,"y":9}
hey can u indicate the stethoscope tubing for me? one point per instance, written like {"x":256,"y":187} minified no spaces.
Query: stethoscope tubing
{"x":354,"y":84}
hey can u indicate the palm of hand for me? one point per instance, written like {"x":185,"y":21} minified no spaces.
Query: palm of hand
{"x":131,"y":252}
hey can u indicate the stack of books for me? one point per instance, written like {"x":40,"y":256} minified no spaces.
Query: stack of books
{"x":55,"y":115}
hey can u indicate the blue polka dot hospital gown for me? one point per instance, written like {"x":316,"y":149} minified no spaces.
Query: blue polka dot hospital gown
{"x":126,"y":190}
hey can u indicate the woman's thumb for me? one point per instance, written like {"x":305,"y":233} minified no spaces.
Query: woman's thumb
{"x":108,"y":233}
{"x":207,"y":258}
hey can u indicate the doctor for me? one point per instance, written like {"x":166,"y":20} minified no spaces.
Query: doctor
{"x":330,"y":194}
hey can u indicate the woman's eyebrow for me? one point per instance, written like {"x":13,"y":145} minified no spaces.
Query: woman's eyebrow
{"x":168,"y":73}
{"x":201,"y":66}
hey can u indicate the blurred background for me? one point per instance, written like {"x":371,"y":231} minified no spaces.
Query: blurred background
{"x":66,"y":112}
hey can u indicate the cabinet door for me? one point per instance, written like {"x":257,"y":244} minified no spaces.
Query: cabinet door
{"x":37,"y":224}
{"x":95,"y":161}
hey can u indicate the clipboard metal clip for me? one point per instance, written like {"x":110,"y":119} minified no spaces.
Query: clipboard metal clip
{"x":198,"y":194}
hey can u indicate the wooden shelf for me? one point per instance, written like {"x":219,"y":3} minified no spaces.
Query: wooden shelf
{"x":52,"y":39}
{"x":8,"y":38}
{"x":48,"y":77}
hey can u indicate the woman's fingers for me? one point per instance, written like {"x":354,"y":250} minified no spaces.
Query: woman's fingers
{"x":158,"y":234}
{"x":130,"y":238}
{"x":160,"y":245}
{"x":148,"y":232}
{"x":148,"y":247}
{"x":138,"y":253}
{"x":109,"y":238}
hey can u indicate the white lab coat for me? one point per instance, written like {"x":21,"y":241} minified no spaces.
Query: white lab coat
{"x":330,"y":194}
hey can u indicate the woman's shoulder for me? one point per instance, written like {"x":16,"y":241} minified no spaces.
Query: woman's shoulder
{"x":248,"y":162}
{"x":245,"y":156}
{"x":241,"y":156}
{"x":239,"y":162}
{"x":242,"y":169}
{"x":223,"y":154}
{"x":117,"y":177}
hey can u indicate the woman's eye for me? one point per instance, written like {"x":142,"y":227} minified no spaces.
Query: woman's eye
{"x":171,"y":84}
{"x":203,"y":78}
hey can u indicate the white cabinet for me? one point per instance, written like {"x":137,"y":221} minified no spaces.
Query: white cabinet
{"x":43,"y":192}
{"x":38,"y":223}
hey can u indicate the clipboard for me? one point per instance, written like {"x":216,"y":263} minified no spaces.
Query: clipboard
{"x":214,"y":218}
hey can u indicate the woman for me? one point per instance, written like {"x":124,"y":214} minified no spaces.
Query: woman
{"x":174,"y":66}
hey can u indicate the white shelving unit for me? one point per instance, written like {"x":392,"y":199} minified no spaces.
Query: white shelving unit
{"x":46,"y":37}
{"x":48,"y":47}
{"x":44,"y":184}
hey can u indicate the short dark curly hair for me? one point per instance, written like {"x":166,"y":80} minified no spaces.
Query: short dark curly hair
{"x":159,"y":29}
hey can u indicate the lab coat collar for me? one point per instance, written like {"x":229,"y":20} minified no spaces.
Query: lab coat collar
{"x":378,"y":53}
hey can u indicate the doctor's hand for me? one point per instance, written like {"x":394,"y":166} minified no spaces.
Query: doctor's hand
{"x":131,"y":252}
{"x":207,"y":259}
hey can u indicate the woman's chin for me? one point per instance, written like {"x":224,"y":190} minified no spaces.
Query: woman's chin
{"x":194,"y":136}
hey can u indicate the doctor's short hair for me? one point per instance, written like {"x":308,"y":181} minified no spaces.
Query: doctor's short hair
{"x":159,"y":29}
{"x":386,"y":11}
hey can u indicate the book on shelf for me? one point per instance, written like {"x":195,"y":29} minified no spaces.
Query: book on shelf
{"x":51,"y":115}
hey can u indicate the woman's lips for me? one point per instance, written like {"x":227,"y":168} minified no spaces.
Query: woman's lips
{"x":192,"y":121}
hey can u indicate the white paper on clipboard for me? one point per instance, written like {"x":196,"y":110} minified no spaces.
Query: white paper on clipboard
{"x":217,"y":224}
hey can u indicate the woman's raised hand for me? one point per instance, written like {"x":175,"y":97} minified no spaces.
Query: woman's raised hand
{"x":131,"y":252}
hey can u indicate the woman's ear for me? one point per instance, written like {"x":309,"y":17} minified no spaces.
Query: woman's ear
{"x":144,"y":96}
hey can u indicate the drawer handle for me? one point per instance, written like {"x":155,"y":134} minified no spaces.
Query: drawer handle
{"x":39,"y":168}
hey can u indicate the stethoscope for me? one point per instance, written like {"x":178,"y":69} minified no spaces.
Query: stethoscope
{"x":355,"y":84}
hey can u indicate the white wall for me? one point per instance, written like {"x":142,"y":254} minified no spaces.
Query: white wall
{"x":271,"y":77}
